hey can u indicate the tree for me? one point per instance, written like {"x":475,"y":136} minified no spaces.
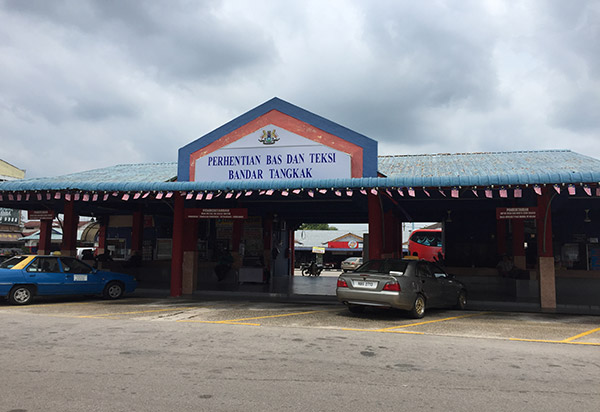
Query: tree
{"x":316,"y":226}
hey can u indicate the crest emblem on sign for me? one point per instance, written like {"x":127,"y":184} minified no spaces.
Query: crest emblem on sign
{"x":268,"y":137}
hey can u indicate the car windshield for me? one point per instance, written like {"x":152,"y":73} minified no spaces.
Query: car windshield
{"x":9,"y":263}
{"x":383,"y":266}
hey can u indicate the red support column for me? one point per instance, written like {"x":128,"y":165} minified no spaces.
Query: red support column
{"x":137,"y":232}
{"x":45,"y":243}
{"x":70,"y":225}
{"x":547,"y":274}
{"x":391,"y":247}
{"x":102,"y":235}
{"x":177,"y":246}
{"x":189,"y":279}
{"x":375,"y":227}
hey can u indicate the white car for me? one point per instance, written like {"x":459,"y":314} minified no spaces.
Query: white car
{"x":351,"y":263}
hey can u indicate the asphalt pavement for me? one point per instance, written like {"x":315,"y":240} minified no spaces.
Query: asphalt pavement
{"x":142,"y":354}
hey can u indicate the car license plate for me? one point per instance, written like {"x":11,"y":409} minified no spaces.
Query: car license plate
{"x":364,"y":284}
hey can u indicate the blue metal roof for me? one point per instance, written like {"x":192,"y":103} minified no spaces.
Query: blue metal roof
{"x":480,"y":169}
{"x":435,"y":170}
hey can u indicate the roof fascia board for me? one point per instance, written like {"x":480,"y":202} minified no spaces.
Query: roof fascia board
{"x":355,"y":183}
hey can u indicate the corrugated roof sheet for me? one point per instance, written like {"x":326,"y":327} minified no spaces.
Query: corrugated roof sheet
{"x":140,"y":172}
{"x":549,"y":166}
{"x":433,"y":170}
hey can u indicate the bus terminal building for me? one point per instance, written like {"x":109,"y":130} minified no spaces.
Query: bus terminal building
{"x":236,"y":195}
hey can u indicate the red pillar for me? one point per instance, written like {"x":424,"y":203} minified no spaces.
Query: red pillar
{"x":137,"y":232}
{"x":547,"y":274}
{"x":45,"y":243}
{"x":70,"y":225}
{"x":177,"y":246}
{"x":102,"y":235}
{"x":189,"y":278}
{"x":375,"y":227}
{"x":392,"y":246}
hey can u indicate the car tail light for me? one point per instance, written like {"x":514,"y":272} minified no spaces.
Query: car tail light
{"x":341,"y":283}
{"x":395,"y":287}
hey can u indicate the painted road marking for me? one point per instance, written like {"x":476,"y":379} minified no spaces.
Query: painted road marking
{"x":239,"y":321}
{"x":107,"y":315}
{"x":581,"y":335}
{"x":392,"y":329}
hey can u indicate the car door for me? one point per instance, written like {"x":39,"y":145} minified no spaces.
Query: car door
{"x":449,"y":288}
{"x":80,"y":277}
{"x":45,"y":273}
{"x":429,"y":285}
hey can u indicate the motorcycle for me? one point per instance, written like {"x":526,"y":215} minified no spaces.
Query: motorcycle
{"x":311,"y":269}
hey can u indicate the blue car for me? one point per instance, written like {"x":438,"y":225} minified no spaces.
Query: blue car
{"x":23,"y":277}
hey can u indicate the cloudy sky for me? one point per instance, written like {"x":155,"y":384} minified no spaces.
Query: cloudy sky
{"x":94,"y":83}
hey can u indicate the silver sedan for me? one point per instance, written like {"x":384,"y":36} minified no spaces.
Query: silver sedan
{"x":405,"y":284}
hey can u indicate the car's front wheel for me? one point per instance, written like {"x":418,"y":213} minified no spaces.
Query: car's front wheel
{"x":418,"y":309}
{"x":113,"y":290}
{"x":20,"y":295}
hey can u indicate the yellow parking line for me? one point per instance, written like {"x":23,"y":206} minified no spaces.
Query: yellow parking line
{"x":241,"y":320}
{"x":554,"y":341}
{"x":383,"y":330}
{"x":536,"y":340}
{"x":104,"y":315}
{"x":589,"y":332}
{"x":279,"y":316}
{"x":218,"y":321}
{"x":391,"y":329}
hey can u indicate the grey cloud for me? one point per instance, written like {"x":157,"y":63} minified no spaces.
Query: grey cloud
{"x":579,"y":113}
{"x":176,"y":40}
{"x":127,"y":81}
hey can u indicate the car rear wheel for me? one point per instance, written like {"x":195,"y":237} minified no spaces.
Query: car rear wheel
{"x":461,"y":302}
{"x":20,"y":295}
{"x":418,"y":309}
{"x":356,"y":308}
{"x":113,"y":290}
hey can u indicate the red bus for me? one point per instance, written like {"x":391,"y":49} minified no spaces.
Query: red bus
{"x":426,"y":244}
